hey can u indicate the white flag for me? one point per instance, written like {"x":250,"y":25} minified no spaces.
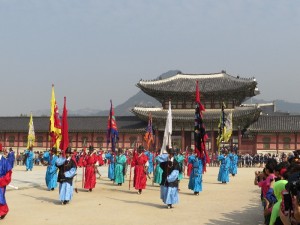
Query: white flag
{"x":168,"y":131}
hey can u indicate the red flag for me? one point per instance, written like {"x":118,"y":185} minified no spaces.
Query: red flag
{"x":149,"y":132}
{"x":200,"y":135}
{"x":201,"y":107}
{"x":64,"y":144}
{"x":112,"y":129}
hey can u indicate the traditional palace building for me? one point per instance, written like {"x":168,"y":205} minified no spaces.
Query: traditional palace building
{"x":253,"y":129}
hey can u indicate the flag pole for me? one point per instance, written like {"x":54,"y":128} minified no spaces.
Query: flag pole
{"x":83,"y":171}
{"x":131,"y":164}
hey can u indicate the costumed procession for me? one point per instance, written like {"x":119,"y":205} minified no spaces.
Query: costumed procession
{"x":163,"y":166}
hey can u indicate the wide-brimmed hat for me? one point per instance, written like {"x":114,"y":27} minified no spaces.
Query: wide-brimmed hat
{"x":69,"y":150}
{"x":54,"y":150}
{"x":172,"y":151}
{"x":91,"y":148}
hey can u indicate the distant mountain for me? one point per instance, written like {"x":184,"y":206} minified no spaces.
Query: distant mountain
{"x":141,"y":98}
{"x":123,"y":109}
{"x":80,"y":112}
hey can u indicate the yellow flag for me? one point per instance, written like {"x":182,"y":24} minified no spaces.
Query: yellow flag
{"x":31,"y":134}
{"x":55,"y":124}
{"x":227,"y":127}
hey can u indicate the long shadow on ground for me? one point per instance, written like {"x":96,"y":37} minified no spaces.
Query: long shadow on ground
{"x":245,"y":216}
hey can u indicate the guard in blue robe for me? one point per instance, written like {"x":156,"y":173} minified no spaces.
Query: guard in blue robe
{"x":111,"y":166}
{"x":29,"y":159}
{"x":180,"y":159}
{"x":150,"y":160}
{"x":120,"y":167}
{"x":233,"y":163}
{"x":158,"y":170}
{"x":67,"y":171}
{"x":195,"y":182}
{"x":169,"y":183}
{"x":49,"y":159}
{"x":223,"y":175}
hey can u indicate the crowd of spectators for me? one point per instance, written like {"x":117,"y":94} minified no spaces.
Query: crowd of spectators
{"x":279,"y":181}
{"x":21,"y":158}
{"x":253,"y":160}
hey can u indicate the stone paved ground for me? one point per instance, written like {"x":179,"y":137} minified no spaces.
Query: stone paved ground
{"x":234,"y":203}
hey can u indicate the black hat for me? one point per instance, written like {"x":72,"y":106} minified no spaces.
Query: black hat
{"x":69,"y":150}
{"x":296,"y":153}
{"x":54,"y":150}
{"x":171,"y":151}
{"x":91,"y":148}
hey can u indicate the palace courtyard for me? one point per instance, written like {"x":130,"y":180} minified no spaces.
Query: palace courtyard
{"x":237,"y":202}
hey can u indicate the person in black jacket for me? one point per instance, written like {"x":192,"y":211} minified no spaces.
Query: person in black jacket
{"x":67,"y":170}
{"x":169,"y":183}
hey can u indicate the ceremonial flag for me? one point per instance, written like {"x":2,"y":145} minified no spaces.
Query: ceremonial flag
{"x":228,"y":126}
{"x":221,"y":127}
{"x":225,"y":127}
{"x":31,"y":134}
{"x":167,"y":141}
{"x":55,"y":125}
{"x":64,"y":143}
{"x":149,"y":132}
{"x":200,"y":135}
{"x":112,"y":130}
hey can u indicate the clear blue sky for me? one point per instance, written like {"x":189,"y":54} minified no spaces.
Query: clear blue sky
{"x":97,"y":50}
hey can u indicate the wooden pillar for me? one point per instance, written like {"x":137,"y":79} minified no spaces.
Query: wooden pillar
{"x":141,"y":138}
{"x":296,"y":137}
{"x":76,"y":140}
{"x":123,"y":143}
{"x":188,"y":141}
{"x":212,"y":140}
{"x":255,"y":144}
{"x":277,"y":142}
{"x":18,"y":143}
{"x":4,"y":143}
{"x":240,"y":140}
{"x":47,"y":140}
{"x":182,"y":139}
{"x":156,"y":139}
{"x":92,"y":141}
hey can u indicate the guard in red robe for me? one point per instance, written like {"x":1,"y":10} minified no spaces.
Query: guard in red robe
{"x":140,"y":164}
{"x":90,"y":163}
{"x":189,"y":165}
{"x":5,"y":178}
{"x":100,"y":158}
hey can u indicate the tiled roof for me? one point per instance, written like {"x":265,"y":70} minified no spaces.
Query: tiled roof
{"x":189,"y":114}
{"x":76,"y":124}
{"x":273,"y":123}
{"x":208,"y":84}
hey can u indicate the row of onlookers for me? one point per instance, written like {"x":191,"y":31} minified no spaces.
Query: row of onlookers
{"x":279,"y":182}
{"x":255,"y":160}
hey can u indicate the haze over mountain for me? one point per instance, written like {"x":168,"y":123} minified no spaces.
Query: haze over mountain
{"x":143,"y":99}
